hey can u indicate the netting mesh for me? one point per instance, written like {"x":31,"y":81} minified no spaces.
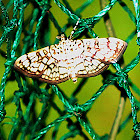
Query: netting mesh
{"x":21,"y":33}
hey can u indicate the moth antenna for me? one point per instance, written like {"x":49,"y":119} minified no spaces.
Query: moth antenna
{"x":72,"y":32}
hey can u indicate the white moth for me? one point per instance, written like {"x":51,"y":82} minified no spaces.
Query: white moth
{"x":71,"y":59}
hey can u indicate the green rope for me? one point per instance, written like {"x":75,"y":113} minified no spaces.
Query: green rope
{"x":137,"y":11}
{"x":33,"y":32}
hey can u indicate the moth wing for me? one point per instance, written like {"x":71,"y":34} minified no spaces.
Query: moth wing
{"x":55,"y":73}
{"x":98,"y":54}
{"x":90,"y":68}
{"x":110,"y":49}
{"x":40,"y":64}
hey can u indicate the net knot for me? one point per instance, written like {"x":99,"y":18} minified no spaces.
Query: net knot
{"x":75,"y":110}
{"x":83,"y":23}
{"x":86,"y":23}
{"x":2,"y":114}
{"x":18,"y":94}
{"x":10,"y":62}
{"x":44,"y":4}
{"x":10,"y":26}
{"x":121,"y":78}
{"x":136,"y":128}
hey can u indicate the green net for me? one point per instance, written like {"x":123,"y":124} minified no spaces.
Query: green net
{"x":56,"y":111}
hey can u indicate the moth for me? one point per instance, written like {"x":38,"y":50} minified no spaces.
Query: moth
{"x":70,"y":59}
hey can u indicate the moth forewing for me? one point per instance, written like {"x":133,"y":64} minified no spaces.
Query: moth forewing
{"x":113,"y":49}
{"x":27,"y":66}
{"x":38,"y":64}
